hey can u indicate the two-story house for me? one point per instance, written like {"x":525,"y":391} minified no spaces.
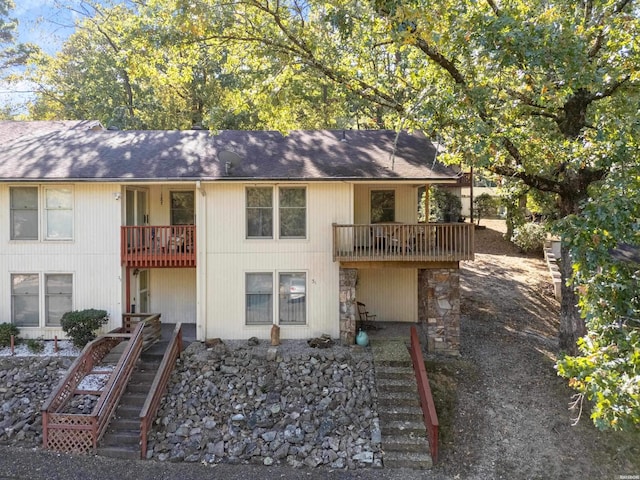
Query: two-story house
{"x":233,"y":231}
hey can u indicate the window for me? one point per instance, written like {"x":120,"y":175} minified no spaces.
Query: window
{"x":58,"y":299}
{"x":383,"y":206}
{"x":293,"y":212}
{"x":24,"y":300}
{"x":24,"y":213}
{"x":259,"y":301}
{"x":26,"y":294}
{"x":260,"y":212}
{"x":293,"y":298}
{"x":57,"y":213}
{"x":182,"y":208}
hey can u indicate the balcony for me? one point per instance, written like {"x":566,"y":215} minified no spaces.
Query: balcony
{"x":424,"y":242}
{"x":152,"y":246}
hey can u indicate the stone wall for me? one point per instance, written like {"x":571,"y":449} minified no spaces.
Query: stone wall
{"x":348,"y":278}
{"x":439,"y":309}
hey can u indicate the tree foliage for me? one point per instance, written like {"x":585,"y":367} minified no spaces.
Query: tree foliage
{"x":607,"y":371}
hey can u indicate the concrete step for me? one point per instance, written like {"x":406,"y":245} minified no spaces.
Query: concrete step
{"x":120,"y":452}
{"x":402,"y":428}
{"x":386,"y":370}
{"x":405,"y":443}
{"x":411,"y":460}
{"x":381,"y":362}
{"x":401,"y":399}
{"x":396,"y":387}
{"x":401,"y":409}
{"x":395,"y":416}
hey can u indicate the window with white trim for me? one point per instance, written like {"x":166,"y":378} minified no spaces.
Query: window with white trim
{"x":31,"y":207}
{"x":27,"y":290}
{"x":259,"y":298}
{"x":287,"y":209}
{"x":292,"y":298}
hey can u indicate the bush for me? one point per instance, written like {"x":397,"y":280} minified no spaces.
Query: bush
{"x":81,"y":325}
{"x":35,"y":345}
{"x":485,"y":205}
{"x":445,"y":206}
{"x":6,"y":330}
{"x":530,"y":237}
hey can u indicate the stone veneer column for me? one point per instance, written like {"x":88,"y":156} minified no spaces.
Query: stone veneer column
{"x":348,"y":277}
{"x":439,"y":309}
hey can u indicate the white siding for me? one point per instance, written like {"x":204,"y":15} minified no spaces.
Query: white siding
{"x":390,"y":294}
{"x":92,"y":257}
{"x":229,"y":255}
{"x":173,"y":294}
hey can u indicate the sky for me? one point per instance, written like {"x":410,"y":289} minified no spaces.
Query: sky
{"x":43,"y":23}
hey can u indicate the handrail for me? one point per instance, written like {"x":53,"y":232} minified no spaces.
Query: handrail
{"x":421,"y":242}
{"x":80,"y":433}
{"x":113,"y":390}
{"x":158,"y":245}
{"x":158,"y":387}
{"x":429,"y":414}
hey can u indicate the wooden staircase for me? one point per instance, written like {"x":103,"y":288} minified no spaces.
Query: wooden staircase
{"x":404,"y":439}
{"x":122,"y":438}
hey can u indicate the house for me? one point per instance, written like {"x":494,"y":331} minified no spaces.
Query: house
{"x":232,"y":231}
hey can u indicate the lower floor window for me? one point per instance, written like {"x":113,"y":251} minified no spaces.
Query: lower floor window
{"x":292,"y":298}
{"x":36,"y":298}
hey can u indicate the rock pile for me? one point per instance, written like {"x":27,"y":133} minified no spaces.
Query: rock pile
{"x":25,"y":384}
{"x":298,"y":406}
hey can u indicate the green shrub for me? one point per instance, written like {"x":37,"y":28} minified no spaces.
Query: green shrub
{"x":445,"y":206}
{"x":530,"y":237}
{"x":35,"y":345}
{"x":6,"y":330}
{"x":81,"y":325}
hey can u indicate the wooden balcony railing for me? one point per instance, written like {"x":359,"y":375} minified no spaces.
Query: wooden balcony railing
{"x":158,"y":246}
{"x":424,"y":242}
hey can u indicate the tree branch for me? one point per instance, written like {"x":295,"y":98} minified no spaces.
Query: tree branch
{"x":494,"y":7}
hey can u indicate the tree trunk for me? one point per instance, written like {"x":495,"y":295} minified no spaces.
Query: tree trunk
{"x":572,"y":325}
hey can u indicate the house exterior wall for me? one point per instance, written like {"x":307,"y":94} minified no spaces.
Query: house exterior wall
{"x":172,"y":293}
{"x":92,"y":257}
{"x":229,"y":255}
{"x":406,"y":202}
{"x":389,"y":293}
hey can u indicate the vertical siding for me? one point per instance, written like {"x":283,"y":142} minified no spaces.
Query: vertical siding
{"x":406,"y":202}
{"x":229,"y":255}
{"x":390,"y":294}
{"x":173,"y":294}
{"x":93,"y":256}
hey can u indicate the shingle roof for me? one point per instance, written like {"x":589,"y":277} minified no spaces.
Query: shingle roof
{"x":81,"y":154}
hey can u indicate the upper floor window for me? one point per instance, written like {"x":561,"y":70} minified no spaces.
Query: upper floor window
{"x":290,"y":214}
{"x":182,"y":208}
{"x":57,"y":213}
{"x":293,"y":212}
{"x":383,"y":206}
{"x":24,"y":213}
{"x":260,"y":212}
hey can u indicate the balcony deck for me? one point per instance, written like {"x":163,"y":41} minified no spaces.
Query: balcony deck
{"x":424,"y":242}
{"x":156,"y":246}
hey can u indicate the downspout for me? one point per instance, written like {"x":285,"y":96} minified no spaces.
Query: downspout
{"x":201,"y":264}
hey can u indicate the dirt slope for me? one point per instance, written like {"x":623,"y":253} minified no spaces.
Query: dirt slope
{"x":512,"y":419}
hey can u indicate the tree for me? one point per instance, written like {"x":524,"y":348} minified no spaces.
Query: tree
{"x":484,"y":205}
{"x":11,"y":53}
{"x":535,"y":91}
{"x":607,"y":371}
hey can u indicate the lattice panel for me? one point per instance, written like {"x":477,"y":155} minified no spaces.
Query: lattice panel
{"x":65,"y":436}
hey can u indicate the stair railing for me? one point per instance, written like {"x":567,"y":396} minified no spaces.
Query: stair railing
{"x":429,"y":414}
{"x":80,"y":433}
{"x":159,"y":386}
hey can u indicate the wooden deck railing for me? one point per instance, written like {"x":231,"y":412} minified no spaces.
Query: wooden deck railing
{"x":152,"y":332}
{"x":158,"y":387}
{"x":145,"y":246}
{"x":70,"y":432}
{"x":425,"y":242}
{"x":429,"y":414}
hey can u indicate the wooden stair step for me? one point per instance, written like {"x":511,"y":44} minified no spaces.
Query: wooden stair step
{"x":120,"y":452}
